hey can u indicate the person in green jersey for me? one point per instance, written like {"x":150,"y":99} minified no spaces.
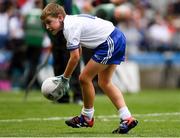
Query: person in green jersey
{"x":34,"y":35}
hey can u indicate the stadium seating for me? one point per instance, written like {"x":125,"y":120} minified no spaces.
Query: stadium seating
{"x":155,"y":59}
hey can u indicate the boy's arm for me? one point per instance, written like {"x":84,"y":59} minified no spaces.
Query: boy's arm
{"x":72,"y":62}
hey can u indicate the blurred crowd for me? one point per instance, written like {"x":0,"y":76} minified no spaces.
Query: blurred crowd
{"x":149,"y":25}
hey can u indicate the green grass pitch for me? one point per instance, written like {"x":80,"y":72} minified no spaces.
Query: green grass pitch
{"x":158,"y":113}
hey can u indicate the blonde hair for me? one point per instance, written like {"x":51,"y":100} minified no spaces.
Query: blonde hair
{"x":52,"y":9}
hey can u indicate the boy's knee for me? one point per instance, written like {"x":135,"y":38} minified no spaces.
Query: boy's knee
{"x":82,"y":78}
{"x":102,"y":83}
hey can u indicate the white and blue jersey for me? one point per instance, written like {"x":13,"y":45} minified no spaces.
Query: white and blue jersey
{"x":91,"y":32}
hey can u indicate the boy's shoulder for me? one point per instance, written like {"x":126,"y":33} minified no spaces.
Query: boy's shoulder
{"x":71,"y":21}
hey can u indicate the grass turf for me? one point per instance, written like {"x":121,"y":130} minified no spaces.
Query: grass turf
{"x":157,"y":111}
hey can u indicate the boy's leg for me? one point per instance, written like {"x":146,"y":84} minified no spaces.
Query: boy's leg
{"x":105,"y":82}
{"x":89,"y":72}
{"x":86,"y":119}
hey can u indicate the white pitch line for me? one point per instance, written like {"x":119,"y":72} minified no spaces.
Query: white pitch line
{"x":158,"y":114}
{"x":35,"y":119}
{"x":103,"y":117}
{"x":160,"y":120}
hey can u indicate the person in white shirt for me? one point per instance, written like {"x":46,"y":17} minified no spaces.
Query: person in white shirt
{"x":108,"y":43}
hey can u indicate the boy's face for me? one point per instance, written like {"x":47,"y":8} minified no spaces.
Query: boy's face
{"x":54,"y":24}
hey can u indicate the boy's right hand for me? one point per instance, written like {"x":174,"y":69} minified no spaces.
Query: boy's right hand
{"x":63,"y":84}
